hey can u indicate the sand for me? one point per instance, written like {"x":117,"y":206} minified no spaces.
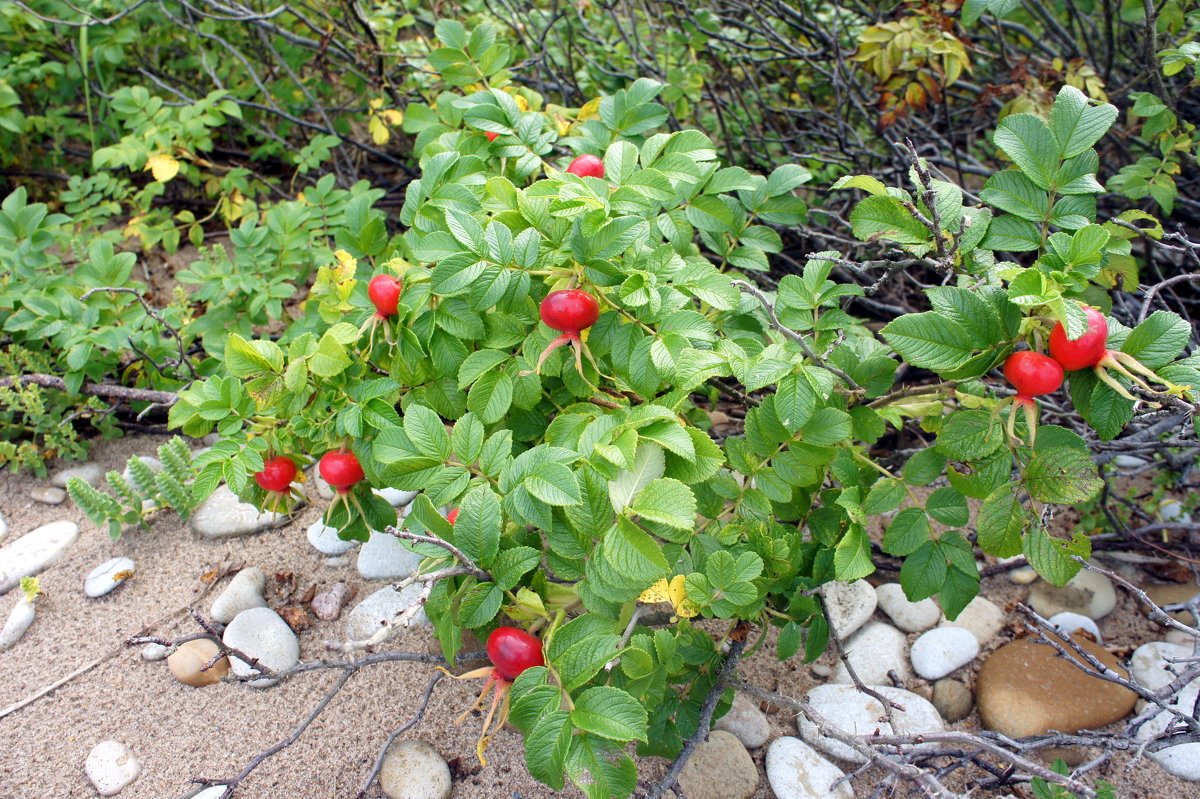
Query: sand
{"x":180,"y":732}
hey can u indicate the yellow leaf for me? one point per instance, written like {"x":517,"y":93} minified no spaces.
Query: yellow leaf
{"x":522,"y":103}
{"x":379,"y":132}
{"x":377,"y":102}
{"x":347,"y":263}
{"x":162,"y":166}
{"x":673,"y":592}
{"x":590,"y":109}
{"x":392,"y":116}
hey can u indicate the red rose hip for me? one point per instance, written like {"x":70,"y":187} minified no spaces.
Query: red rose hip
{"x":341,"y":469}
{"x":1032,"y":373}
{"x":1085,"y":351}
{"x":277,"y":474}
{"x":512,"y":651}
{"x":569,"y":311}
{"x":384,"y":291}
{"x":587,"y":166}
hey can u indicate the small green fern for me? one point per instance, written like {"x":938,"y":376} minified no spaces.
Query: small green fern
{"x":133,"y":500}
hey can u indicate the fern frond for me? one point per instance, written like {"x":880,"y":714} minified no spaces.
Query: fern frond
{"x":143,"y":475}
{"x":176,"y":459}
{"x":173,"y":492}
{"x":123,"y":490}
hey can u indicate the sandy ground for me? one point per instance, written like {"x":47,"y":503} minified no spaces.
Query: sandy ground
{"x":180,"y":732}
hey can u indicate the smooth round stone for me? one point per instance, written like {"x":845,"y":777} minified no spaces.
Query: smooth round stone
{"x":849,"y":605}
{"x":381,"y":607}
{"x":328,"y":605}
{"x":19,"y":619}
{"x":746,"y":721}
{"x":1171,"y":594}
{"x":855,"y":712}
{"x":48,"y":495}
{"x":797,"y":771}
{"x":1171,"y":510}
{"x":1174,"y":636}
{"x":154,"y":463}
{"x":111,"y":766}
{"x":153,"y":652}
{"x":873,"y":651}
{"x":414,"y":770}
{"x":1087,"y":593}
{"x":212,"y":792}
{"x":107,"y":576}
{"x":1181,"y":760}
{"x":190,"y":657}
{"x":1128,"y":462}
{"x":244,"y":591}
{"x":1149,"y":665}
{"x":91,"y":473}
{"x":33,"y":552}
{"x":262,"y":634}
{"x":942,"y":650}
{"x":719,"y":768}
{"x":1024,"y":689}
{"x":397,"y":497}
{"x":982,"y":617}
{"x":3,"y":527}
{"x":222,"y":515}
{"x":323,"y":489}
{"x":384,"y":557}
{"x":912,"y":617}
{"x":326,"y":541}
{"x":952,"y":699}
{"x":1023,"y":575}
{"x":1070,"y":623}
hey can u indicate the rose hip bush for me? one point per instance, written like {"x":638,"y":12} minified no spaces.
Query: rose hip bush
{"x":584,"y":485}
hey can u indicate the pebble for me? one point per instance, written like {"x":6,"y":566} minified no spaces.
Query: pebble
{"x":1087,"y":593}
{"x":1174,"y":636}
{"x":746,"y":721}
{"x":190,"y":657}
{"x":1025,"y":688}
{"x":1073,"y":622}
{"x":952,"y":699}
{"x":848,"y":709}
{"x":33,"y":552}
{"x":154,"y":463}
{"x":849,"y":605}
{"x":328,"y":605}
{"x":1170,"y":594}
{"x":262,"y":634}
{"x":3,"y":527}
{"x":821,"y":670}
{"x":107,"y":576}
{"x":222,"y":515}
{"x":942,"y":650}
{"x":384,"y":557}
{"x":414,"y":770}
{"x":381,"y":607}
{"x":1148,"y":665}
{"x":982,"y":617}
{"x":18,"y":622}
{"x":323,"y":489}
{"x":336,"y":563}
{"x":797,"y":771}
{"x":912,"y":617}
{"x":48,"y":495}
{"x":244,"y":591}
{"x":91,"y":473}
{"x":719,"y":768}
{"x":1171,"y":510}
{"x":1023,"y":575}
{"x":326,"y":541}
{"x":152,"y":652}
{"x":1128,"y":462}
{"x":1181,"y":760}
{"x":873,"y":651}
{"x":397,"y":497}
{"x":213,"y":792}
{"x":111,"y":766}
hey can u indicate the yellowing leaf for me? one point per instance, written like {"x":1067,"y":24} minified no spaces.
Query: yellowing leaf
{"x":522,"y":103}
{"x":674,"y":593}
{"x":392,"y":116}
{"x":591,"y":109}
{"x":377,"y":102}
{"x":379,"y":131}
{"x":346,"y":264}
{"x":162,"y":166}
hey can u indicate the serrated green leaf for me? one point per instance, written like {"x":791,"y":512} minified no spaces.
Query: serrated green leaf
{"x":610,"y":713}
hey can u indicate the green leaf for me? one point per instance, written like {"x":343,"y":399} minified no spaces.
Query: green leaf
{"x":1012,"y":234}
{"x":477,"y":529}
{"x":1157,"y":340}
{"x":480,"y":605}
{"x":1076,"y":124}
{"x":1051,"y":557}
{"x":634,"y":554}
{"x":711,"y":214}
{"x":970,"y":435}
{"x":795,"y":401}
{"x":958,"y":589}
{"x":491,"y":396}
{"x":554,"y":484}
{"x":1031,"y":145}
{"x":884,"y":217}
{"x":1011,"y":191}
{"x":907,"y":532}
{"x":1001,"y":521}
{"x":948,"y":507}
{"x":929,"y":340}
{"x":668,"y":502}
{"x":852,"y":555}
{"x":600,"y":768}
{"x":923,"y":572}
{"x":547,"y":747}
{"x":1062,"y":475}
{"x":610,"y":713}
{"x":923,"y":467}
{"x":649,"y":465}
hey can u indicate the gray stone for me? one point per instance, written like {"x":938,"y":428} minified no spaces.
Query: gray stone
{"x":328,"y":605}
{"x":381,"y":607}
{"x":1150,"y":667}
{"x":33,"y":552}
{"x":1087,"y":593}
{"x":222,"y":515}
{"x":911,"y":617}
{"x":1181,"y":760}
{"x":854,"y":712}
{"x":326,"y":541}
{"x":746,"y":721}
{"x":107,"y":576}
{"x":942,"y":650}
{"x":244,"y":591}
{"x":324,"y":490}
{"x":414,"y":770}
{"x":982,"y":617}
{"x":397,"y":497}
{"x":19,"y":619}
{"x":849,"y":605}
{"x":797,"y":771}
{"x":384,"y":557}
{"x":336,"y":563}
{"x":91,"y":473}
{"x":1128,"y":462}
{"x":952,"y":699}
{"x":48,"y":495}
{"x":261,"y":634}
{"x":3,"y":527}
{"x":111,"y":766}
{"x":873,"y":651}
{"x":153,"y":652}
{"x":1070,"y":623}
{"x":719,"y":768}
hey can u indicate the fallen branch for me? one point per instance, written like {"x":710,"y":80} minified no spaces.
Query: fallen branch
{"x":167,"y":398}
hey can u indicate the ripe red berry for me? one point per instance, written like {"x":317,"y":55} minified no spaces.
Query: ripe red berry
{"x":384,"y":291}
{"x":491,"y":136}
{"x":452,"y":516}
{"x":1085,"y":351}
{"x":277,"y":474}
{"x":569,"y":311}
{"x":512,"y":651}
{"x":1032,"y":373}
{"x":341,"y":469}
{"x":587,"y":166}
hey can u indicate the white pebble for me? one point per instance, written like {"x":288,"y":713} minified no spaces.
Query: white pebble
{"x":107,"y":576}
{"x":18,"y":622}
{"x":849,"y":605}
{"x":243,"y":592}
{"x":397,"y":497}
{"x":797,"y":771}
{"x":223,"y":515}
{"x":1071,"y":622}
{"x":1150,"y":663}
{"x":912,"y":617}
{"x":91,"y":473}
{"x":48,"y":495}
{"x":874,"y":651}
{"x":384,"y":557}
{"x":982,"y":617}
{"x":942,"y":650}
{"x":325,"y":539}
{"x":111,"y":766}
{"x":261,"y":634}
{"x":33,"y":552}
{"x":154,"y":652}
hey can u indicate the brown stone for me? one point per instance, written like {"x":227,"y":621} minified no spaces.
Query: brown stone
{"x":719,"y":768}
{"x":187,"y":661}
{"x":952,"y":699}
{"x":1169,"y":594}
{"x":1026,"y":689}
